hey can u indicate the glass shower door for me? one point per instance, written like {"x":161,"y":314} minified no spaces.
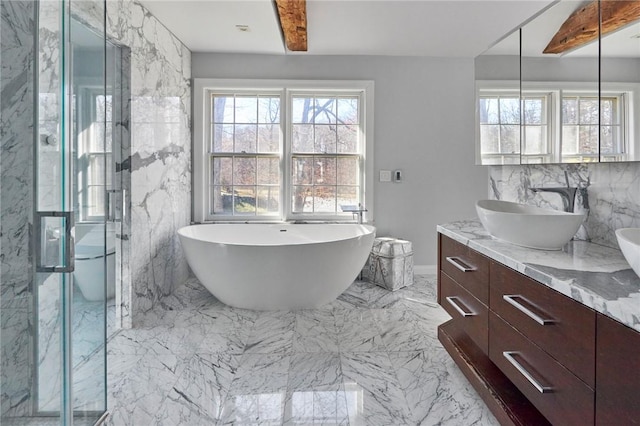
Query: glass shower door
{"x":69,"y":221}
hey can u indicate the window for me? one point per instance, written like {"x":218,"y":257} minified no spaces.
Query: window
{"x":281,"y":150}
{"x":244,"y":154}
{"x":499,"y":118}
{"x":325,"y":153}
{"x":580,"y":127}
{"x":560,"y":123}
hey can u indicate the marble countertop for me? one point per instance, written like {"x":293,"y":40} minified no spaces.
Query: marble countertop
{"x":597,"y":276}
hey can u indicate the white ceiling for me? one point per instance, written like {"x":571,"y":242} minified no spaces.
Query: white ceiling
{"x":448,"y":28}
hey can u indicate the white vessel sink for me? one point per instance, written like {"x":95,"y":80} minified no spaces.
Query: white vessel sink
{"x":629,"y":242}
{"x":528,"y":226}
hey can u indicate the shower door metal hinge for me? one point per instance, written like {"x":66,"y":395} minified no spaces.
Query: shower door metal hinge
{"x":115,"y":208}
{"x":54,"y":241}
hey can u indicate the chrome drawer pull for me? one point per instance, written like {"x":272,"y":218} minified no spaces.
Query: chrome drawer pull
{"x":509,"y":356}
{"x":458,"y":263}
{"x":510,"y":298}
{"x":455,"y":302}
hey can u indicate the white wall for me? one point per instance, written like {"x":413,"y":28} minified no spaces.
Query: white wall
{"x":424,"y":125}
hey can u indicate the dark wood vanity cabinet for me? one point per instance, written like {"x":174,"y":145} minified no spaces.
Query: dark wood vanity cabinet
{"x":617,"y":374}
{"x":463,"y":290}
{"x":560,"y":326}
{"x":534,"y":355}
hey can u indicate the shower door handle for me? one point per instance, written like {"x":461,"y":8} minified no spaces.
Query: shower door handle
{"x":54,"y":242}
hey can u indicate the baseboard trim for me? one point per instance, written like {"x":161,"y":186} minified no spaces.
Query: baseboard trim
{"x":424,"y":269}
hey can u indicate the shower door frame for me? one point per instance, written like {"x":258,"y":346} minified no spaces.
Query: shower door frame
{"x":65,"y":262}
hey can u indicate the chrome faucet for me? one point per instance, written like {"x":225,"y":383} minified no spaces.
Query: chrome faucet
{"x":567,"y":194}
{"x":355,"y":211}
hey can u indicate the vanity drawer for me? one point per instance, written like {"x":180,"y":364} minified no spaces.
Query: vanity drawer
{"x":469,"y":313}
{"x":467,"y":267}
{"x":559,"y":325}
{"x":559,"y":395}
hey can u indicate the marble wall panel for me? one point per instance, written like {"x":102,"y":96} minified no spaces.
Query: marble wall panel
{"x":613,"y":191}
{"x":17,"y":58}
{"x":161,"y":167}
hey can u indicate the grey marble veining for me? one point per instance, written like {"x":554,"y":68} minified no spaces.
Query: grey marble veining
{"x":16,"y":204}
{"x":595,"y":275}
{"x":613,"y":193}
{"x":370,"y":377}
{"x":157,"y":177}
{"x":160,"y":156}
{"x":346,"y":363}
{"x":430,"y":380}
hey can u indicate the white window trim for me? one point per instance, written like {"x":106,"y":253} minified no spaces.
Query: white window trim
{"x":202,"y":86}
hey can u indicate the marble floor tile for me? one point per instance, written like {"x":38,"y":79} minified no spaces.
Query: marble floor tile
{"x":362,"y":294}
{"x":225,"y":318}
{"x":158,"y":341}
{"x":422,"y":293}
{"x":374,"y":396}
{"x":191,"y":294}
{"x":409,"y":330}
{"x":369,"y":358}
{"x":272,"y":333}
{"x":315,"y":331}
{"x":200,"y":391}
{"x":257,"y":393}
{"x":315,"y":390}
{"x":358,"y":331}
{"x":138,"y":385}
{"x":436,"y":391}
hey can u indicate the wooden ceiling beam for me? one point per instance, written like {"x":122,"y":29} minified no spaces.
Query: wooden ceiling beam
{"x":293,"y":22}
{"x":582,"y":26}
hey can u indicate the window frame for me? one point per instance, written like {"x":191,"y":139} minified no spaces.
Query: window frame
{"x":202,"y":90}
{"x":491,"y":88}
{"x":234,"y":155}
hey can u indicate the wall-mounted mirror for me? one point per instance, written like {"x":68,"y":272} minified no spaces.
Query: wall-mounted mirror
{"x":620,"y":96}
{"x":560,"y":91}
{"x":497,"y":73}
{"x":579,"y":92}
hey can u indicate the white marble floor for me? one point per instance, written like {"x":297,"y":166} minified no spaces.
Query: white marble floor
{"x":369,"y":358}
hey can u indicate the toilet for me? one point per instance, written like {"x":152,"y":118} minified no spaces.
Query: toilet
{"x":89,"y":263}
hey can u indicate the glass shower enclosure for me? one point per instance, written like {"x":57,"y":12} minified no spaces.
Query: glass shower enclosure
{"x":56,"y":231}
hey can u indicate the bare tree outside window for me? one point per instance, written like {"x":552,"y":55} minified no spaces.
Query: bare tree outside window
{"x":325,"y":153}
{"x":245,"y":157}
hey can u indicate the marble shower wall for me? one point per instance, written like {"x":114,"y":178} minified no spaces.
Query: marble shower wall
{"x":160,"y":161}
{"x":613,"y":192}
{"x":17,"y":60}
{"x":160,"y":154}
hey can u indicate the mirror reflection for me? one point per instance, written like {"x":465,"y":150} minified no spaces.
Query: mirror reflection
{"x":498,"y":103}
{"x":578,"y":92}
{"x":620,"y":99}
{"x":559,"y":90}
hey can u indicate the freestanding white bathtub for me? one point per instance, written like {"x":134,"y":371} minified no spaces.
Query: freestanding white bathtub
{"x":276,"y":266}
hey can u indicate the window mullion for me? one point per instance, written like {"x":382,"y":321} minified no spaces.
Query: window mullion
{"x":286,"y":162}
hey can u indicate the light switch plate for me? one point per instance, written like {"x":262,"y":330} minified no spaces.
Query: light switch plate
{"x":385,"y":175}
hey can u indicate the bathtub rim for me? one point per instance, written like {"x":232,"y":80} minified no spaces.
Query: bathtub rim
{"x":371,"y":229}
